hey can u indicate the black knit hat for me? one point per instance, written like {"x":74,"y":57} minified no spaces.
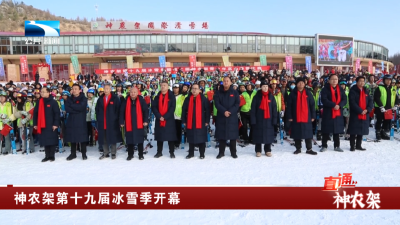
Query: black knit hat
{"x":300,"y":79}
{"x":264,"y":82}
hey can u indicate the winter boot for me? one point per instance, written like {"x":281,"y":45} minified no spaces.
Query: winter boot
{"x":378,"y":135}
{"x":384,"y":135}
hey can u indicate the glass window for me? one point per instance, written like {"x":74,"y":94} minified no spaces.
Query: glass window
{"x":211,"y":64}
{"x":181,"y":64}
{"x":79,"y":40}
{"x":153,"y":39}
{"x":105,"y":39}
{"x":241,"y":64}
{"x":221,"y":39}
{"x":244,"y":39}
{"x":97,"y":39}
{"x":279,"y":41}
{"x":234,"y":40}
{"x":116,"y":40}
{"x":160,"y":39}
{"x":184,"y":38}
{"x":132,"y":39}
{"x":122,"y":46}
{"x":273,"y":40}
{"x":122,"y":39}
{"x":150,"y":64}
{"x":157,"y":47}
{"x":171,"y":39}
{"x":191,"y":39}
{"x":91,"y":39}
{"x":147,"y":39}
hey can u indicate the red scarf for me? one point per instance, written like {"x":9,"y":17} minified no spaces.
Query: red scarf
{"x":41,"y":117}
{"x":198,"y":113}
{"x":163,"y":107}
{"x":265,"y":104}
{"x":139,"y":116}
{"x":105,"y":109}
{"x":363,"y":105}
{"x":302,"y":107}
{"x":335,"y":113}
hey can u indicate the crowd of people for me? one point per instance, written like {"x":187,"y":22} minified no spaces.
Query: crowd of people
{"x":246,"y":107}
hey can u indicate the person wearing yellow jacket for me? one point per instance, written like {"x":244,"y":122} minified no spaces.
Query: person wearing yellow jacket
{"x":245,"y":111}
{"x":6,"y":117}
{"x":25,"y":120}
{"x":280,"y":103}
{"x":180,"y":98}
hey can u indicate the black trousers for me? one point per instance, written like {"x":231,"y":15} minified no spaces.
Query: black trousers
{"x":381,"y":123}
{"x":178,"y":126}
{"x":267,"y":148}
{"x":90,"y":132}
{"x":357,"y":142}
{"x":336,"y":140}
{"x":232,"y":147}
{"x":75,"y":146}
{"x":297,"y":144}
{"x":50,"y":151}
{"x":140,"y":149}
{"x":202,"y":148}
{"x":245,"y":117}
{"x":171,"y":145}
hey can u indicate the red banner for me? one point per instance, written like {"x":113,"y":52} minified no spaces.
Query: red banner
{"x":181,"y":197}
{"x":192,"y":60}
{"x":184,"y":69}
{"x":24,"y":64}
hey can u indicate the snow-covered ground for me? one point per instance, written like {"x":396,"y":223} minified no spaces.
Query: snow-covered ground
{"x":378,"y":166}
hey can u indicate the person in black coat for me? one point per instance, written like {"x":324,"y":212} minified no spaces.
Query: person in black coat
{"x":301,"y":113}
{"x":359,"y":113}
{"x":196,"y":128}
{"x":332,"y":114}
{"x":263,"y":122}
{"x":80,"y":77}
{"x":163,"y":108}
{"x":109,"y":132}
{"x":227,"y":101}
{"x":134,"y":111}
{"x":37,"y":78}
{"x":76,"y":128}
{"x":46,"y":121}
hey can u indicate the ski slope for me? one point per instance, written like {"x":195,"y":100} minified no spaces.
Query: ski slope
{"x":378,"y":166}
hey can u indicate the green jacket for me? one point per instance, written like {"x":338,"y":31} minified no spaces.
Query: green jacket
{"x":179,"y":104}
{"x":384,"y":96}
{"x":248,"y":98}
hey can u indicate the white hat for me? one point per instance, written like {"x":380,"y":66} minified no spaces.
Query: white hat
{"x":258,"y":82}
{"x":235,"y":85}
{"x":176,"y":86}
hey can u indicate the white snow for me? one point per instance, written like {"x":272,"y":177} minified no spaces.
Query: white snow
{"x":378,"y":166}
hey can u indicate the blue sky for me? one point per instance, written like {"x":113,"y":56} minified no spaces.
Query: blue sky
{"x":366,"y":20}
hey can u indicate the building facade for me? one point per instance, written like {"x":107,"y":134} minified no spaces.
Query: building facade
{"x":108,"y":50}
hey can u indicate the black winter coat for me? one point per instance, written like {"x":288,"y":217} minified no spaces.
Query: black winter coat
{"x":167,"y":133}
{"x":357,"y":126}
{"x":227,"y":128}
{"x":113,"y":130}
{"x":76,"y":127}
{"x":263,"y":129}
{"x":48,"y":137}
{"x":136,"y":136}
{"x":300,"y":130}
{"x":328,"y":124}
{"x":194,"y":135}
